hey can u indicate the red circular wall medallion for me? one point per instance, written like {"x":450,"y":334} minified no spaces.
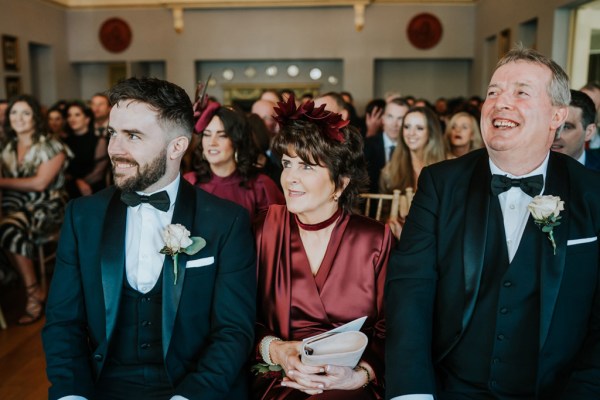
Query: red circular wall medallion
{"x":115,"y":35}
{"x":424,"y":31}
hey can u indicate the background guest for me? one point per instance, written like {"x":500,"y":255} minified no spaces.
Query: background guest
{"x":56,"y":123}
{"x":579,"y":129}
{"x":87,"y":171}
{"x":33,"y":198}
{"x":100,"y":106}
{"x":319,"y":265}
{"x":462,"y":135}
{"x":225,"y":163}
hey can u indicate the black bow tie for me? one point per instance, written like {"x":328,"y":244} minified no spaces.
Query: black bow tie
{"x":159,"y":200}
{"x":532,"y":185}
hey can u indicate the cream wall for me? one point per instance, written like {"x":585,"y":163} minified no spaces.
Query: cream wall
{"x":34,"y":21}
{"x":264,"y":34}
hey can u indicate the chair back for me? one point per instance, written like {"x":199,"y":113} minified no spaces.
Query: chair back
{"x":391,"y":206}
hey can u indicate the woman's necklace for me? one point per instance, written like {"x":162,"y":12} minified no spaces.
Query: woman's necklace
{"x":320,"y":225}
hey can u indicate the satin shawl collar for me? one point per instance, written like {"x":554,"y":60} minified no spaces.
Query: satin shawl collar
{"x":184,"y":214}
{"x":552,"y":268}
{"x":476,"y":223}
{"x":112,"y":258}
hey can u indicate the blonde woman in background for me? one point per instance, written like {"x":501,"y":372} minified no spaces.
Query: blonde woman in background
{"x":462,"y":135}
{"x":421,"y":144}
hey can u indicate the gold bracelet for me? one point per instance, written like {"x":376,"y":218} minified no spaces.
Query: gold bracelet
{"x":361,"y":368}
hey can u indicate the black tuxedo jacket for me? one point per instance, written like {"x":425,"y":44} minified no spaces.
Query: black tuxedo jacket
{"x":375,"y":156}
{"x":434,"y":278}
{"x":207,"y":317}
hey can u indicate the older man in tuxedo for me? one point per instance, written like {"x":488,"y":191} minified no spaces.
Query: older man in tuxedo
{"x":481,"y":303}
{"x":124,"y":320}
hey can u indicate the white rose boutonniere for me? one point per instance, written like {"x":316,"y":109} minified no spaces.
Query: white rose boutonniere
{"x":178,"y":240}
{"x":545,"y":211}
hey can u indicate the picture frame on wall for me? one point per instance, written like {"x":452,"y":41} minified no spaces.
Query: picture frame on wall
{"x":13,"y":86}
{"x":10,"y":53}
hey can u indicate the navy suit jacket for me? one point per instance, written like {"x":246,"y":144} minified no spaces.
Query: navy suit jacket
{"x":434,"y":277}
{"x":207,"y":316}
{"x":592,"y":159}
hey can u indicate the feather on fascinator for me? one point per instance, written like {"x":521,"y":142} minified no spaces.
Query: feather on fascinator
{"x":328,"y":123}
{"x":203,"y":109}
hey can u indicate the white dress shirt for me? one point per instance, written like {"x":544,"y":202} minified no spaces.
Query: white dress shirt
{"x":514,"y":204}
{"x":143,"y":262}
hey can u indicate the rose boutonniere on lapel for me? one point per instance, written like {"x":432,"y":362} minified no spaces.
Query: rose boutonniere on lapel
{"x":178,"y":240}
{"x":545,"y":211}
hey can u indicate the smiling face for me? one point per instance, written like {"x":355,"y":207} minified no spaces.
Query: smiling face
{"x":77,"y":120}
{"x":137,"y":148}
{"x":21,"y":118}
{"x":308,"y":189}
{"x":414,"y":131}
{"x":217,"y":147}
{"x":518,"y":120}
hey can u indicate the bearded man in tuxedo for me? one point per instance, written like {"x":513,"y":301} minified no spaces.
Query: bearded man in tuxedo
{"x":125,"y":320}
{"x":481,"y":302}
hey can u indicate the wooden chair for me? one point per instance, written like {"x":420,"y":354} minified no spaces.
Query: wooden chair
{"x":45,"y":253}
{"x":395,"y":205}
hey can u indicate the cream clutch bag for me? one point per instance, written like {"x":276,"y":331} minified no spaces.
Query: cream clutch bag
{"x":343,"y":349}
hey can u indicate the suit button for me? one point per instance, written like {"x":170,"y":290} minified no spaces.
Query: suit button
{"x":146,"y":323}
{"x":496,"y":360}
{"x":503,"y":310}
{"x":500,"y":337}
{"x":507,"y":284}
{"x":98,"y":357}
{"x":145,"y":346}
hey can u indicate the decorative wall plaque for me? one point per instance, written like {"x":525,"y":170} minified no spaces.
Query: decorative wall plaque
{"x":115,"y":35}
{"x":424,"y":31}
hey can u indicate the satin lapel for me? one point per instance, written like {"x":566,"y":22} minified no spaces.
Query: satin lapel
{"x":184,"y":214}
{"x":476,"y":223}
{"x":552,"y":268}
{"x":112,"y":258}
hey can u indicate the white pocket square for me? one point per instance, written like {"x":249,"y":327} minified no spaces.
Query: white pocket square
{"x":201,"y":262}
{"x":580,"y":241}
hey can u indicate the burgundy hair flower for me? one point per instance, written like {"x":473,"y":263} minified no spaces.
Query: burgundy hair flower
{"x":328,"y":123}
{"x":204,"y":109}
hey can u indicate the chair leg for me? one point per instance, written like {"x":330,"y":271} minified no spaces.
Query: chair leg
{"x":2,"y":320}
{"x":42,"y":261}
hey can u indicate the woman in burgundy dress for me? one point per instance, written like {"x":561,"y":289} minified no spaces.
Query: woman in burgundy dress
{"x":224,"y":162}
{"x":319,"y":265}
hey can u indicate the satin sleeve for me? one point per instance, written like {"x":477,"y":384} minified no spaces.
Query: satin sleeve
{"x":267,"y":193}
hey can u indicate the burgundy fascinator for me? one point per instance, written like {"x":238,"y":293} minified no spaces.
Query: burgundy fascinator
{"x":203,"y":109}
{"x":329,"y":123}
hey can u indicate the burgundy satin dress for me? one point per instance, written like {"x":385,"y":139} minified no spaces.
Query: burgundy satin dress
{"x":256,"y":197}
{"x":292,"y":304}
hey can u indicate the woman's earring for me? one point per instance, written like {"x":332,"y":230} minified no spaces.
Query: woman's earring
{"x":336,"y":197}
{"x":235,"y":157}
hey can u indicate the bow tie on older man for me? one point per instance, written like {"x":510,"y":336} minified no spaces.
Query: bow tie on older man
{"x":531,"y":185}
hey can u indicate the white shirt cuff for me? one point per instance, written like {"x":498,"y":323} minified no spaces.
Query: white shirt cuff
{"x":72,"y":398}
{"x":178,"y":397}
{"x":414,"y":397}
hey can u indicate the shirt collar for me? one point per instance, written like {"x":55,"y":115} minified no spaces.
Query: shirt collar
{"x":582,"y":158}
{"x":539,"y":170}
{"x":387,"y":142}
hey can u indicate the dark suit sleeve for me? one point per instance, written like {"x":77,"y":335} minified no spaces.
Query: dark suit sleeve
{"x":409,"y":297}
{"x":232,"y":316}
{"x":584,"y":382}
{"x":65,"y":335}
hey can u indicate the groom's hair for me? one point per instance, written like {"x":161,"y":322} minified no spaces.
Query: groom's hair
{"x":171,"y":102}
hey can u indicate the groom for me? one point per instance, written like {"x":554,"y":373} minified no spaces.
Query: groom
{"x":480,"y":304}
{"x":124,"y":321}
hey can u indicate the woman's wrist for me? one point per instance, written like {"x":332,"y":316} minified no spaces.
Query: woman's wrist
{"x":366,"y":374}
{"x":265,"y":348}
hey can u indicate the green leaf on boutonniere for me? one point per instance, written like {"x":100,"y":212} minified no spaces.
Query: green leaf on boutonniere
{"x":198,"y":244}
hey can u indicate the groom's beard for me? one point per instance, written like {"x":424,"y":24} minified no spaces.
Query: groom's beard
{"x":145,"y":175}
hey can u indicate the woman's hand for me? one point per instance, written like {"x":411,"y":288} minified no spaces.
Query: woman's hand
{"x":298,"y":376}
{"x":84,"y":188}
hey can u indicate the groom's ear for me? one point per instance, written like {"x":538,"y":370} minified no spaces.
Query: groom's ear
{"x":177,"y":147}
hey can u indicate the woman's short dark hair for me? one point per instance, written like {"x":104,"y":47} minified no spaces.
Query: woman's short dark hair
{"x":238,"y":131}
{"x":39,"y":122}
{"x":85,"y":110}
{"x":343,"y":160}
